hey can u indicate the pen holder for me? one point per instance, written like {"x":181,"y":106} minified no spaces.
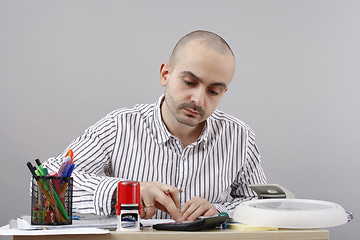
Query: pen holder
{"x":51,"y":200}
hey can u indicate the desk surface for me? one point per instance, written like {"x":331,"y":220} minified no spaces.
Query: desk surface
{"x":203,"y":235}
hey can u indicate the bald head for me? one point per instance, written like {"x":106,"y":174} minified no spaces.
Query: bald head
{"x":209,"y":39}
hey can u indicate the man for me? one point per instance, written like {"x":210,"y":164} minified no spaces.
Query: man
{"x":204,"y":158}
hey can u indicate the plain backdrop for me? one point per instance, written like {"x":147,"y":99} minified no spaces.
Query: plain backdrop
{"x":66,"y":64}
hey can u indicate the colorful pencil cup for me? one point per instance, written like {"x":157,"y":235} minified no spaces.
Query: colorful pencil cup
{"x":51,"y":200}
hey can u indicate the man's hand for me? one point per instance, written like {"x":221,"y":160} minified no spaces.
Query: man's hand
{"x":157,"y":195}
{"x":197,"y":207}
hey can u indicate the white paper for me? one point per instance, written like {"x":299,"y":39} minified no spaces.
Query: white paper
{"x":5,"y":230}
{"x":94,"y":225}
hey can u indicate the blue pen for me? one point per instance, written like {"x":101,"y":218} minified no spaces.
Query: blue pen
{"x":64,"y":166}
{"x":70,"y":170}
{"x":67,"y":170}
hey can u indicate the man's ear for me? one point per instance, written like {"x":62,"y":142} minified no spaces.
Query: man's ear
{"x":164,"y":74}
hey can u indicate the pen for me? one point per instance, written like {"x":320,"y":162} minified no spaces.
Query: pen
{"x":56,"y":203}
{"x":66,"y":171}
{"x":69,"y":170}
{"x":167,"y":192}
{"x":67,"y":174}
{"x":56,"y":184}
{"x":32,"y":169}
{"x":42,"y":170}
{"x":64,"y":165}
{"x":71,"y":154}
{"x":69,"y":158}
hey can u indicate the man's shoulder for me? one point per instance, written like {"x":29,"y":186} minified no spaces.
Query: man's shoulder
{"x":140,"y":110}
{"x":227,"y":119}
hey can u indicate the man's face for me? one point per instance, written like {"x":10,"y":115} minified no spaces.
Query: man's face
{"x":196,"y":84}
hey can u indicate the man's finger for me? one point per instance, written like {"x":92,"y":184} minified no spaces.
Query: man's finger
{"x":171,"y":191}
{"x":148,"y":204}
{"x":189,"y":204}
{"x":149,"y":210}
{"x":197,"y":207}
{"x":211,"y":212}
{"x":155,"y":193}
{"x":168,"y":203}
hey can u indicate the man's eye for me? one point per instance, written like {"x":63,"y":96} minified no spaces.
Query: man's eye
{"x":212,"y":92}
{"x":189,"y":83}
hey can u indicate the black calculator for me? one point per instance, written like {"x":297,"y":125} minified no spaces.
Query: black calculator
{"x":197,"y":225}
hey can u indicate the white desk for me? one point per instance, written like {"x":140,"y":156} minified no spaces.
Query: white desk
{"x":282,"y":234}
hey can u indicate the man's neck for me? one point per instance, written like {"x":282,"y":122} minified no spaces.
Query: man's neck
{"x":186,"y":134}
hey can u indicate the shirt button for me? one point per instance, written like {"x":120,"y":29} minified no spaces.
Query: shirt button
{"x":183,"y":158}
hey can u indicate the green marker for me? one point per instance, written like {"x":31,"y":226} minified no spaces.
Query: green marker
{"x":40,"y":167}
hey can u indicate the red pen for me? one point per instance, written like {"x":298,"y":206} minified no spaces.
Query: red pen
{"x":56,"y":184}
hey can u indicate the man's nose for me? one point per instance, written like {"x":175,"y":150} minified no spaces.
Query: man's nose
{"x":198,"y":96}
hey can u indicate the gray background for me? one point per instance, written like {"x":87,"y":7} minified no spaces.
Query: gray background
{"x":65,"y":64}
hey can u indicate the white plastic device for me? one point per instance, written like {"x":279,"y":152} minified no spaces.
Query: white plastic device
{"x":291,"y":213}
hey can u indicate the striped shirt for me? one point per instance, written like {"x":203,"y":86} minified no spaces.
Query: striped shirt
{"x":134,"y":144}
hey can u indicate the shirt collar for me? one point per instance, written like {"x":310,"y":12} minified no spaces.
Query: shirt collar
{"x":163,"y":134}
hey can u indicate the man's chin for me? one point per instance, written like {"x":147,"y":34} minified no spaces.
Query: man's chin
{"x":189,"y":124}
{"x":189,"y":121}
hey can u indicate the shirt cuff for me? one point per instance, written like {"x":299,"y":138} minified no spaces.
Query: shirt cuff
{"x":103,"y":195}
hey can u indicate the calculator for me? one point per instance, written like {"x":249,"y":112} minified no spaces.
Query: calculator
{"x":197,"y":225}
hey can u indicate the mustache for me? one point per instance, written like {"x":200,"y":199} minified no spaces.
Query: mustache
{"x":192,"y":106}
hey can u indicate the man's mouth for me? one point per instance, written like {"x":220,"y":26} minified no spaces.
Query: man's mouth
{"x":191,"y":112}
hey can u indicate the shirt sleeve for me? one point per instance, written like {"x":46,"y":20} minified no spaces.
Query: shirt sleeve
{"x":250,"y":173}
{"x":93,"y":185}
